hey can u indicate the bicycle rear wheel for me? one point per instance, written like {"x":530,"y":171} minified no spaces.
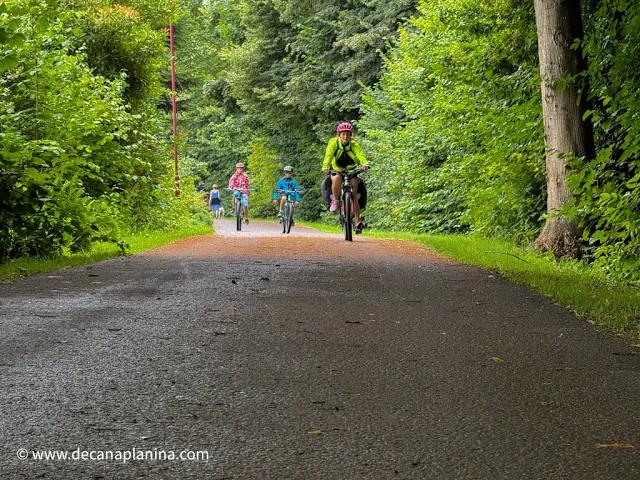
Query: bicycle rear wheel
{"x":348,"y":220}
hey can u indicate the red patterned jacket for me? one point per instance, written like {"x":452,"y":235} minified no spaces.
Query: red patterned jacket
{"x":239,"y":181}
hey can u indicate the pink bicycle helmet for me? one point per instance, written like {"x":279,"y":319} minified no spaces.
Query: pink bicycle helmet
{"x":344,"y":127}
{"x":239,"y":165}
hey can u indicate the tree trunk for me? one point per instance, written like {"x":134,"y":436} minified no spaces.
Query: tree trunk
{"x":559,"y":24}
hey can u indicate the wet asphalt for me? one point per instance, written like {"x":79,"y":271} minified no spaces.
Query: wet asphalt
{"x":304,"y":357}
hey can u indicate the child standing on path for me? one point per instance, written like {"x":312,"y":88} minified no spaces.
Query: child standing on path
{"x":214,"y":201}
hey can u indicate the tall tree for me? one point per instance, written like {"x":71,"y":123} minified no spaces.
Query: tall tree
{"x":297,"y":69}
{"x":559,"y":26}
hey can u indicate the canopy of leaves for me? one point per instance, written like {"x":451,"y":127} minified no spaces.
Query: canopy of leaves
{"x":77,"y":163}
{"x":294,"y":70}
{"x":445,"y":96}
{"x":454,"y":126}
{"x":607,"y":188}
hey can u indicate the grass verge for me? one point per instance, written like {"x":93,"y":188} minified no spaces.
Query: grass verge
{"x":322,"y":227}
{"x":610,"y":305}
{"x":100,"y":251}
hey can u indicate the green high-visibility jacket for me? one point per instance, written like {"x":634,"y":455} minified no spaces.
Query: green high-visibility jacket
{"x":334,"y":151}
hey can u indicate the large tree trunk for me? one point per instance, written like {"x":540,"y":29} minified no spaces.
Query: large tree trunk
{"x":559,"y":24}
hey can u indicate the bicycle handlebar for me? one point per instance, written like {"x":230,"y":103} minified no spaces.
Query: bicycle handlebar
{"x":280,"y":190}
{"x":241,"y":191}
{"x":354,"y":171}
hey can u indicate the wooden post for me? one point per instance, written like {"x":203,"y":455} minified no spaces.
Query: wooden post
{"x":174,"y":105}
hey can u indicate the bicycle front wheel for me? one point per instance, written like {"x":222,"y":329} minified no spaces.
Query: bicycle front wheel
{"x":285,"y":218}
{"x":238,"y":216}
{"x":288,"y":215}
{"x":348,"y":220}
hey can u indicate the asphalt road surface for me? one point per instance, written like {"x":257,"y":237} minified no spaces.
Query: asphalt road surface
{"x":256,"y":355}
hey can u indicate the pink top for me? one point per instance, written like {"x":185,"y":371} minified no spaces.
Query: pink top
{"x":239,"y":181}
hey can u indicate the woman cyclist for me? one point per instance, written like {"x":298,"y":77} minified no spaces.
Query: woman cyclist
{"x":344,"y":153}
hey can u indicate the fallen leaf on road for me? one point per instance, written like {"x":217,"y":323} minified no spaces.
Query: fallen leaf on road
{"x":315,"y":431}
{"x":614,"y":445}
{"x":497,"y":359}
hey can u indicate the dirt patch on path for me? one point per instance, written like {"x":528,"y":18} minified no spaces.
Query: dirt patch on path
{"x":264,"y":239}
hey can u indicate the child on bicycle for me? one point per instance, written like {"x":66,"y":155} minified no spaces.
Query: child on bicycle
{"x":343,"y":153}
{"x":285,"y":183}
{"x":239,"y":182}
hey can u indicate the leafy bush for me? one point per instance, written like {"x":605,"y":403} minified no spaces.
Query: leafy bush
{"x":76,"y":163}
{"x":263,"y":169}
{"x":607,"y":188}
{"x":118,"y":42}
{"x":454,"y":125}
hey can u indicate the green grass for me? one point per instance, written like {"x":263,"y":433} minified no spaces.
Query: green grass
{"x":610,"y":305}
{"x":100,"y":251}
{"x":322,"y":227}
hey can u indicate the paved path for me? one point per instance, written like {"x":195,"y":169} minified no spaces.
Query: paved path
{"x":305,"y":357}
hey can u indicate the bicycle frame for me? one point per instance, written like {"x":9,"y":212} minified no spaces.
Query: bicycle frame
{"x":287,"y":220}
{"x":345,"y":202}
{"x":237,"y":207}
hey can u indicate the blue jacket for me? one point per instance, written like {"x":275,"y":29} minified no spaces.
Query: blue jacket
{"x":287,"y":184}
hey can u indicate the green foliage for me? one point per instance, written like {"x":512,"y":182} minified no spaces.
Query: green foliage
{"x":607,"y":188}
{"x":454,"y":125}
{"x":129,"y":244}
{"x":118,"y":42}
{"x":446,"y":105}
{"x":287,"y":72}
{"x":219,"y":145}
{"x":77,"y":165}
{"x":333,"y":52}
{"x":610,"y":305}
{"x":263,"y":170}
{"x":217,"y":133}
{"x":44,"y":141}
{"x":155,"y":13}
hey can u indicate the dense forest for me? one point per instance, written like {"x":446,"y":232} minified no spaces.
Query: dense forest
{"x":445,"y":96}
